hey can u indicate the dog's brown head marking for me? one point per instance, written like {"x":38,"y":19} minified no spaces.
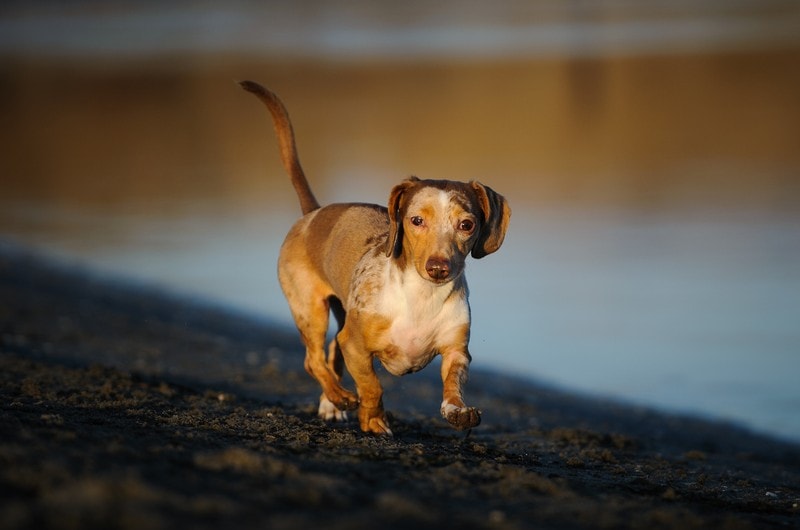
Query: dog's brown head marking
{"x":479,"y":216}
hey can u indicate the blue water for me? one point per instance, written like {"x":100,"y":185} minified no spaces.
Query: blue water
{"x":691,"y":314}
{"x":685,"y":312}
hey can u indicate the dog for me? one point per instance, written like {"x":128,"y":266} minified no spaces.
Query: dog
{"x":392,"y":277}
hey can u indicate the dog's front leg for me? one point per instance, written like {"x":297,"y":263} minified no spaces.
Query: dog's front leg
{"x":359,"y":362}
{"x":455,"y":366}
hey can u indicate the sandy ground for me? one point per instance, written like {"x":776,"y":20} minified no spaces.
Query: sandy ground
{"x":124,"y":407}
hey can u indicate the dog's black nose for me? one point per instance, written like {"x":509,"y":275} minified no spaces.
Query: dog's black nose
{"x":437,"y":268}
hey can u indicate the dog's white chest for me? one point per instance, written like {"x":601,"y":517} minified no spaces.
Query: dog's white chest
{"x":426,"y":319}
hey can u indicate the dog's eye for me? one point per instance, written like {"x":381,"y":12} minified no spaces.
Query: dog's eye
{"x":466,"y":225}
{"x":417,"y":221}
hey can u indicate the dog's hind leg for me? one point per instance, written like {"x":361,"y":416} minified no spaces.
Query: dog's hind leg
{"x":308,"y":298}
{"x":327,"y":410}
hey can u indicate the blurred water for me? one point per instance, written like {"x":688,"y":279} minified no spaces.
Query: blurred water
{"x":453,"y":29}
{"x":699,"y":314}
{"x":684,"y":312}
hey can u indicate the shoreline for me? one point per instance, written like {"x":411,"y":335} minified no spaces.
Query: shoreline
{"x":125,"y":407}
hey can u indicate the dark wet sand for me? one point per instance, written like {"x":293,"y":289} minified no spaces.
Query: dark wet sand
{"x":124,"y":407}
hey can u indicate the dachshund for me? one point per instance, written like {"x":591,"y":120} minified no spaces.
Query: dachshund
{"x":393,"y":277}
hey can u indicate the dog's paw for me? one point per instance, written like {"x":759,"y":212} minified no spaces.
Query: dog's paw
{"x":461,"y":418}
{"x":344,"y":400}
{"x":328,"y":411}
{"x":349,"y":402}
{"x":374,"y":421}
{"x":378,"y":426}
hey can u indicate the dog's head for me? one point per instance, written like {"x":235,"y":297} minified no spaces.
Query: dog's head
{"x":434,"y":224}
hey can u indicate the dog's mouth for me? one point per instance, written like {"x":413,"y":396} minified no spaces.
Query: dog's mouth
{"x":439,"y":281}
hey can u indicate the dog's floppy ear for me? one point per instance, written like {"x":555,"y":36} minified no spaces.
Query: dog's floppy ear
{"x":496,"y":214}
{"x":396,"y":200}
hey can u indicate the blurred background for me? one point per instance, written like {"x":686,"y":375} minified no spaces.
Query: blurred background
{"x":650,"y":152}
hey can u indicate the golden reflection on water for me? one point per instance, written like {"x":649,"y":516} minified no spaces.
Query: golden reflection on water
{"x":714,"y":129}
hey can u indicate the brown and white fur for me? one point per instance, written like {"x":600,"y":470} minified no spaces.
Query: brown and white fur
{"x":393,"y":279}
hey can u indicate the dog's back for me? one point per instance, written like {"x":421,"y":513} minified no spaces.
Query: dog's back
{"x":333,"y":239}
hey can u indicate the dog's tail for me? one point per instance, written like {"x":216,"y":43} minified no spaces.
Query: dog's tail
{"x":285,"y":133}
